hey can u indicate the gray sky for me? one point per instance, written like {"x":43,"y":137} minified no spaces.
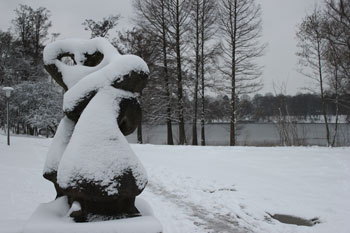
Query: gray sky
{"x":280,"y":18}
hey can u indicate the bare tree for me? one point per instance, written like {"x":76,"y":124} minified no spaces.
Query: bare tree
{"x":196,"y":19}
{"x":179,"y":11}
{"x":101,"y":28}
{"x":204,"y":17}
{"x":153,"y":18}
{"x":337,"y":32}
{"x":240,"y":25}
{"x":312,"y":51}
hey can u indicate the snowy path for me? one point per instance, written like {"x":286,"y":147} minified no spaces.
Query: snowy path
{"x":210,"y":189}
{"x":199,"y":214}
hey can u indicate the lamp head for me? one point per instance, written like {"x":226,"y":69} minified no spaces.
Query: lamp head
{"x":8,"y":91}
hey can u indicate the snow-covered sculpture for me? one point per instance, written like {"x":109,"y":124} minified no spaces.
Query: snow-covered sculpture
{"x":90,"y":161}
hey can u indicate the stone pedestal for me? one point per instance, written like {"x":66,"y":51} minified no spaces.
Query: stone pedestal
{"x":54,"y":217}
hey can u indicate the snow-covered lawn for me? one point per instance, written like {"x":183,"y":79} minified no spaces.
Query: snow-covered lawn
{"x":204,"y":189}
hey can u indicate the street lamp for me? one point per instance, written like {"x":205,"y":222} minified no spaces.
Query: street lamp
{"x":8,"y":94}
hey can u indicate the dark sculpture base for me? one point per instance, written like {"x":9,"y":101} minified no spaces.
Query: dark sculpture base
{"x":117,"y":209}
{"x":93,"y":201}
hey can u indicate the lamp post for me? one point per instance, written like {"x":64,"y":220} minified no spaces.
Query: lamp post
{"x":8,"y":94}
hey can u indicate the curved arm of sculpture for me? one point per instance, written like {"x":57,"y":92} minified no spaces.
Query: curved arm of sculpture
{"x":56,"y":75}
{"x":134,"y":82}
{"x":90,"y":60}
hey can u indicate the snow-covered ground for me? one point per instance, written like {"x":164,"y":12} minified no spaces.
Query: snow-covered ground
{"x":204,"y":189}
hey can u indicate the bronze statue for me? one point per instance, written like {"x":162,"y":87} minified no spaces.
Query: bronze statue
{"x":90,"y":160}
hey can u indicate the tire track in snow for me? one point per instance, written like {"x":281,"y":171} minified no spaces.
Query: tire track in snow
{"x":213,"y":222}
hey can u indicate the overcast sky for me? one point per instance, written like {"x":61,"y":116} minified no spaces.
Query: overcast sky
{"x":280,"y":18}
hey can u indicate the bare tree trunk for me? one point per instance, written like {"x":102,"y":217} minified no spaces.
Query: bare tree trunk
{"x":233,"y":76}
{"x":170,"y":140}
{"x":336,"y":107}
{"x":203,"y":115}
{"x":24,"y":129}
{"x":195,"y":110}
{"x":195,"y":97}
{"x":233,"y":115}
{"x":202,"y":77}
{"x":323,"y":100}
{"x":182,"y":135}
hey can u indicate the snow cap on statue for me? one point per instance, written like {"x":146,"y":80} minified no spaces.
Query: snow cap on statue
{"x":95,"y":60}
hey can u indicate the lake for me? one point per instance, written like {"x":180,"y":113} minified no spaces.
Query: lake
{"x":249,"y":134}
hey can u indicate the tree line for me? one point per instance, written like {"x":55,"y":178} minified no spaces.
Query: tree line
{"x":268,"y":108}
{"x":302,"y":107}
{"x":195,"y":50}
